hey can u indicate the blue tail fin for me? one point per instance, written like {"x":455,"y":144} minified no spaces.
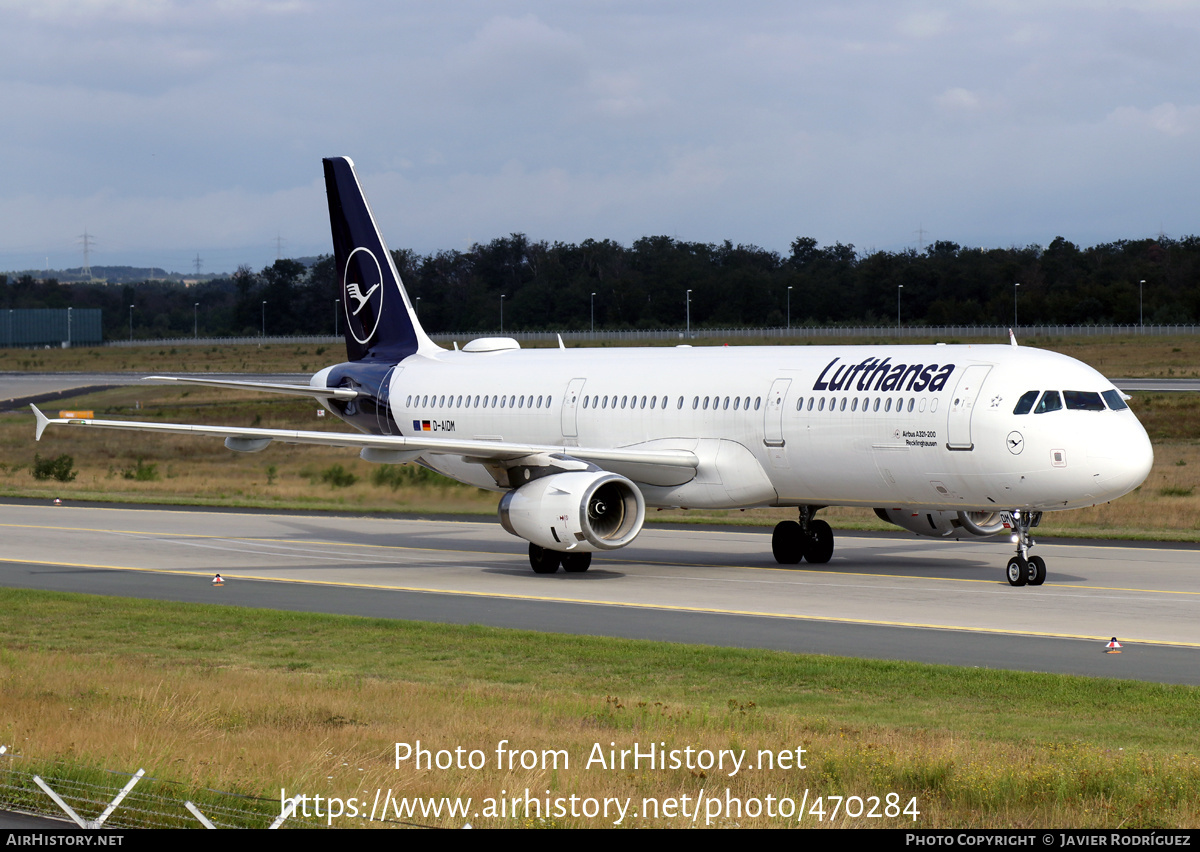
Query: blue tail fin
{"x":380,"y":321}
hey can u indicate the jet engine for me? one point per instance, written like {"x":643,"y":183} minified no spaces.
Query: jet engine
{"x":944,"y":524}
{"x":579,"y":512}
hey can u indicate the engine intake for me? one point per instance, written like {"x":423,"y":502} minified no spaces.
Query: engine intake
{"x":944,"y":524}
{"x":575,"y":511}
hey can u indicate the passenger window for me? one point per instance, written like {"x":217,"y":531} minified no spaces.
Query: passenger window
{"x":821,"y":404}
{"x":757,"y":402}
{"x":876,"y":406}
{"x":726,"y":405}
{"x":679,"y":406}
{"x":854,"y":404}
{"x":1025,"y":403}
{"x":1050,"y":401}
{"x":810,"y":403}
{"x":653,"y":400}
{"x":1083,"y":401}
{"x":843,"y":405}
{"x":1114,"y":399}
{"x":910,"y":405}
{"x":887,"y":406}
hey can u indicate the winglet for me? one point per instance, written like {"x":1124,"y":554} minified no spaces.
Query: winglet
{"x":1012,"y":338}
{"x":42,"y":422}
{"x":560,"y":343}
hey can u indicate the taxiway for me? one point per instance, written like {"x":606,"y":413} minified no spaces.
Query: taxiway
{"x":882,"y":596}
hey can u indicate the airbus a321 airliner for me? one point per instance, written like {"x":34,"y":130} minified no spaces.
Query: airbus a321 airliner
{"x":945,"y":441}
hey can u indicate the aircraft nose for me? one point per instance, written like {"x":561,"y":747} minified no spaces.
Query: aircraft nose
{"x":1122,"y":458}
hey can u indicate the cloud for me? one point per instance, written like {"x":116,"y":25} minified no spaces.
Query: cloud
{"x":1167,"y":118}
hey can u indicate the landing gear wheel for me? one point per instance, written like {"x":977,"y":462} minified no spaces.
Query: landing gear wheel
{"x":1018,"y":571}
{"x":576,"y":563}
{"x":820,"y":543}
{"x":1036,"y":574}
{"x":787,"y":543}
{"x":543,"y":561}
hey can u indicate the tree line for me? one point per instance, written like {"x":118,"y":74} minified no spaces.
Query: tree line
{"x":562,"y":286}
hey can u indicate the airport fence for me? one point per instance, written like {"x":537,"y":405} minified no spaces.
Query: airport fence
{"x":945,"y":333}
{"x":95,"y":798}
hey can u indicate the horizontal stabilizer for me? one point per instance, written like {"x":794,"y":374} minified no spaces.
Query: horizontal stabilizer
{"x":265,"y":387}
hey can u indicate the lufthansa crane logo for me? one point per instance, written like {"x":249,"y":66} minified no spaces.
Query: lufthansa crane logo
{"x":364,"y":294}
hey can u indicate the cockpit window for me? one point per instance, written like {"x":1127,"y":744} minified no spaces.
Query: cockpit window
{"x":1050,"y":401}
{"x":1025,"y":403}
{"x":1114,"y":400}
{"x":1083,"y":401}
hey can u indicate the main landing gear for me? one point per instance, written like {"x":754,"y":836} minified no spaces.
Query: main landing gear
{"x":806,"y":539}
{"x":1024,"y":569}
{"x":546,"y":561}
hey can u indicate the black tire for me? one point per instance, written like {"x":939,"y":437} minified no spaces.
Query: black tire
{"x":576,"y":563}
{"x":819,"y":548}
{"x":787,"y":543}
{"x":543,"y":561}
{"x":1017,"y":571}
{"x":1037,"y":571}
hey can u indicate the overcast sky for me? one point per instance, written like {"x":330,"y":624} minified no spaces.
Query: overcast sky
{"x":168,"y":128}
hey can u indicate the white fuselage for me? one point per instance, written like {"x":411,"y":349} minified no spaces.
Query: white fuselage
{"x":876,"y":426}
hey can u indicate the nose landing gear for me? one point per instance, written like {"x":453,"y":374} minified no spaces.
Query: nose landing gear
{"x":1024,"y":569}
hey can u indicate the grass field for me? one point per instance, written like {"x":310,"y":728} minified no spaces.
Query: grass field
{"x":253,"y":701}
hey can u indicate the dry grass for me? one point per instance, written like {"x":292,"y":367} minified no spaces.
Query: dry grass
{"x":253,"y":701}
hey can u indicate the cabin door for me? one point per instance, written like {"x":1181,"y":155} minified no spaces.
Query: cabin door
{"x":962,"y":404}
{"x":570,"y":423}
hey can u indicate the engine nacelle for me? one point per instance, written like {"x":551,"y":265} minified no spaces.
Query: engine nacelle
{"x":579,"y":512}
{"x":941,"y":524}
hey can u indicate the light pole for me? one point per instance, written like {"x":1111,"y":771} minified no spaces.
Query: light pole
{"x":789,"y":315}
{"x":1141,"y":320}
{"x":899,"y":287}
{"x":264,"y":321}
{"x":502,"y":313}
{"x":131,"y":323}
{"x":68,"y":328}
{"x":593,"y":314}
{"x":1015,"y":286}
{"x":689,"y":314}
{"x":196,"y":321}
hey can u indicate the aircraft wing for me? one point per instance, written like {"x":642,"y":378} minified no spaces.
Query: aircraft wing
{"x":266,"y":387}
{"x":395,"y":448}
